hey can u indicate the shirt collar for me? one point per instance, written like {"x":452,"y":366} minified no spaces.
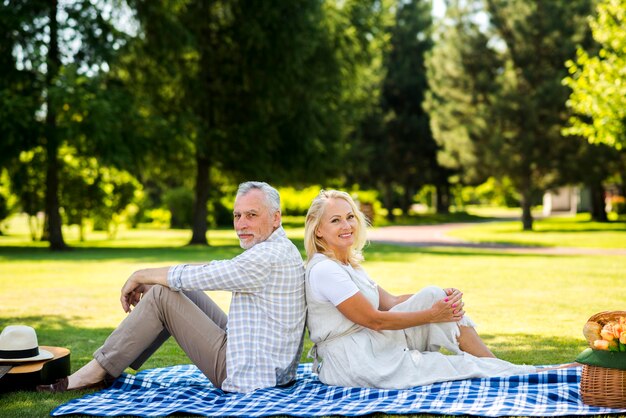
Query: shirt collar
{"x":279,"y":233}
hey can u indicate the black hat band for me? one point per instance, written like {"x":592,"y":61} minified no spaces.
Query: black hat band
{"x":11,"y":354}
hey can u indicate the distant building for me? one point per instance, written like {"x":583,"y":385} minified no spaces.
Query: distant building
{"x":571,"y":199}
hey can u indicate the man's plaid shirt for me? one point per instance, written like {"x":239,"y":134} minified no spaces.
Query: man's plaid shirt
{"x":267,"y":310}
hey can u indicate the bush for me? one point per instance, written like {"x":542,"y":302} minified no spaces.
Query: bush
{"x":159,"y":218}
{"x":296,"y":202}
{"x":220,"y":214}
{"x":618,"y":205}
{"x":493,"y":192}
{"x":179,"y":201}
{"x":369,"y":204}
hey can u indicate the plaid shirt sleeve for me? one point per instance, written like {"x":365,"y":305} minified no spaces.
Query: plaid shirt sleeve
{"x":248,"y":272}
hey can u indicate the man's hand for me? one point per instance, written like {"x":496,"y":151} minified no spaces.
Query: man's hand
{"x":131,"y":292}
{"x":135,"y":296}
{"x":139,"y":283}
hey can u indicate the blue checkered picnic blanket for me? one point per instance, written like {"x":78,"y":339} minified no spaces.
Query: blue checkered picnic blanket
{"x":184,"y":389}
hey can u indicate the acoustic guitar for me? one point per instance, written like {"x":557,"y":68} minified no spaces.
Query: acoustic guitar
{"x":27,"y":375}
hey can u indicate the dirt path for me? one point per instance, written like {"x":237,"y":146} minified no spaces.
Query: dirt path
{"x":435,"y":236}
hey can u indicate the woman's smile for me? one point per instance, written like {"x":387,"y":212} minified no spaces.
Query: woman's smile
{"x":337,"y":227}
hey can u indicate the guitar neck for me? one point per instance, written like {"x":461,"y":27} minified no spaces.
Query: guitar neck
{"x":4,"y":370}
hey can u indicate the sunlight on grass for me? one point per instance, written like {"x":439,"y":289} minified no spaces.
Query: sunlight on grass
{"x":504,"y":293}
{"x":529,"y":308}
{"x":513,"y":294}
{"x":572,"y":231}
{"x":87,"y":291}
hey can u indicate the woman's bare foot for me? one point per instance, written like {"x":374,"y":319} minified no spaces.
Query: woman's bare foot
{"x":560,"y":366}
{"x":470,"y":342}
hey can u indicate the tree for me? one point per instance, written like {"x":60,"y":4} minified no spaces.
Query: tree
{"x":28,"y":184}
{"x":394,"y":144}
{"x":408,"y":147}
{"x":57,"y":44}
{"x":92,"y":191}
{"x":464,"y":79}
{"x":19,"y":93}
{"x":516,"y":130}
{"x":598,"y":81}
{"x":254,"y":89}
{"x":540,"y":37}
{"x":7,"y":201}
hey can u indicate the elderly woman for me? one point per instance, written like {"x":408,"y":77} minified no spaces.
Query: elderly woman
{"x":368,"y":337}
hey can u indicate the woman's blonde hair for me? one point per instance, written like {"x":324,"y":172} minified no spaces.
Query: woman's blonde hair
{"x":313,"y":244}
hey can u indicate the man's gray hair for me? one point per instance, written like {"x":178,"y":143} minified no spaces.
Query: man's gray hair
{"x":271,"y":194}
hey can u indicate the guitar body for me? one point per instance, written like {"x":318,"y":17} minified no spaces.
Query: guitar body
{"x":25,"y":376}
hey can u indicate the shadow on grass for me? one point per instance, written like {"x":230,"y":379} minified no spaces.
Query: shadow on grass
{"x":183,"y":254}
{"x":621,"y":228}
{"x":145,"y":254}
{"x":395,"y":252}
{"x":55,"y":331}
{"x":59,"y":331}
{"x":186,"y":253}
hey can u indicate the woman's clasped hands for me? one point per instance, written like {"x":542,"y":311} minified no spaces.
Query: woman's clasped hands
{"x":450,"y":308}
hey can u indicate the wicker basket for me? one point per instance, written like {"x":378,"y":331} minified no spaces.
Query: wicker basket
{"x":604,"y":317}
{"x":601,"y":386}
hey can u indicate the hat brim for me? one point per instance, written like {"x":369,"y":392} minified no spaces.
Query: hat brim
{"x":43,"y":355}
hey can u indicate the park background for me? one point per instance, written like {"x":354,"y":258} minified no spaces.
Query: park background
{"x":125,"y":127}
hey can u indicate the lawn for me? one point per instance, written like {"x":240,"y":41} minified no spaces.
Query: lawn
{"x":570,"y":231}
{"x":530,"y":308}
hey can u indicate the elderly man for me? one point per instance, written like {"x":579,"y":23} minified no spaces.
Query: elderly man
{"x":257,"y":345}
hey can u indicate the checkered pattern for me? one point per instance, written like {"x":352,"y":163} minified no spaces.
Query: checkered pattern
{"x":183,"y":389}
{"x":267,"y":311}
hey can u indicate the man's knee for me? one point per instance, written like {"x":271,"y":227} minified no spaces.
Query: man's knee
{"x":160,"y":294}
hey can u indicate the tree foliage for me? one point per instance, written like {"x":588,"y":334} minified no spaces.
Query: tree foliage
{"x":598,"y":81}
{"x":91,"y":191}
{"x":464,"y":70}
{"x":252,"y":89}
{"x":408,"y":148}
{"x":396,"y":147}
{"x":56,"y":54}
{"x":513,"y":82}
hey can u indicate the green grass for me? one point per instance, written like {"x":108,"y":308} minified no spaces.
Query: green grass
{"x":571,"y":231}
{"x":529,"y":308}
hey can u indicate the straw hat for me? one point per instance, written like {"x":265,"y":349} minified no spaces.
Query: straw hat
{"x":18,"y":343}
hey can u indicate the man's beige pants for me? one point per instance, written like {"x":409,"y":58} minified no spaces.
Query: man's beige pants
{"x":191,"y":317}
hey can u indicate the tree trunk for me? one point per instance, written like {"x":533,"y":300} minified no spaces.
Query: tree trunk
{"x":442,"y":198}
{"x":388,"y":202}
{"x":54,"y":222}
{"x":81,"y":230}
{"x":527,"y":216}
{"x":33,"y":226}
{"x":598,"y":209}
{"x":199,"y":227}
{"x":407,"y":199}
